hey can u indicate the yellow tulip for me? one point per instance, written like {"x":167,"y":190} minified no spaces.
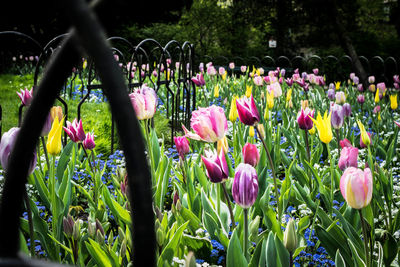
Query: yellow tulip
{"x":289,"y":95}
{"x":393,"y":102}
{"x":337,"y":84}
{"x":364,"y":135}
{"x":261,"y":130}
{"x":54,"y":139}
{"x":216,"y":91}
{"x":233,"y":114}
{"x":270,"y":99}
{"x":379,"y":116}
{"x":304,"y":104}
{"x":249,"y":89}
{"x":324,"y":127}
{"x":224,"y":76}
{"x":84,"y":65}
{"x":251,"y":131}
{"x":222,"y":144}
{"x":377,"y":96}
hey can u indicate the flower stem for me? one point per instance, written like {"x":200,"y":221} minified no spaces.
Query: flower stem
{"x":229,"y":205}
{"x":88,"y":159}
{"x":331,"y":172}
{"x":45,"y":152}
{"x":338,"y":140}
{"x":365,"y":237}
{"x":308,"y":156}
{"x":246,"y":234}
{"x":218,"y":199}
{"x":291,"y":259}
{"x":273,"y":174}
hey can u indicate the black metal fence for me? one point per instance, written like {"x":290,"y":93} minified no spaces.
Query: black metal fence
{"x":334,"y":68}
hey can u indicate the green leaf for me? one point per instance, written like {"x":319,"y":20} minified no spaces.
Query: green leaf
{"x":98,"y":254}
{"x":235,"y":256}
{"x":155,"y":146}
{"x":195,"y":242}
{"x":201,"y":177}
{"x":356,"y":257}
{"x":389,"y":249}
{"x":194,"y":222}
{"x":255,"y":259}
{"x":42,"y":188}
{"x":63,"y":161}
{"x":303,"y":224}
{"x":339,"y":261}
{"x":117,"y":210}
{"x":283,"y":254}
{"x":168,"y":252}
{"x":22,"y":243}
{"x":271,"y":250}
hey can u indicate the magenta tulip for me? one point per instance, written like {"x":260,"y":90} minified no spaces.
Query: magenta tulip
{"x":209,"y":124}
{"x":199,"y":80}
{"x":345,"y":143}
{"x":216,"y":167}
{"x":304,"y":118}
{"x":250,"y":154}
{"x":75,"y":131}
{"x":25,"y":96}
{"x":88,"y":143}
{"x":182,"y":146}
{"x":245,"y":185}
{"x":348,"y":157}
{"x":247,"y":110}
{"x":356,"y":187}
{"x":361,"y":99}
{"x":6,"y":146}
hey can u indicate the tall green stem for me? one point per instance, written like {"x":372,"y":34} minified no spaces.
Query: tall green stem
{"x":308,"y":156}
{"x":149,"y":150}
{"x":218,"y":199}
{"x":229,"y":205}
{"x":331,"y":172}
{"x":365,"y":237}
{"x":338,"y":140}
{"x":273,"y":173}
{"x":246,"y":234}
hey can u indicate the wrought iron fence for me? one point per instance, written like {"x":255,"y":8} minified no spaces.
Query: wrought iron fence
{"x":334,"y":68}
{"x":87,"y":33}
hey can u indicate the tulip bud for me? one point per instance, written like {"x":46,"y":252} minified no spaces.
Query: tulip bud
{"x":254,"y":226}
{"x":68,"y":225}
{"x":122,"y":251}
{"x":99,"y":237}
{"x":250,"y":154}
{"x":76,"y":232}
{"x":251,"y":131}
{"x":261,"y":130}
{"x":365,"y":138}
{"x":160,"y":237}
{"x":356,"y":187}
{"x":245,"y":186}
{"x":190,"y":260}
{"x":290,"y":236}
{"x":121,"y":234}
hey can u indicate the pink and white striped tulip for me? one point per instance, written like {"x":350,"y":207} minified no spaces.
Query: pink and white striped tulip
{"x":25,"y":96}
{"x":209,"y":124}
{"x":247,"y":110}
{"x":75,"y":131}
{"x":88,"y":143}
{"x":245,"y":185}
{"x":144,"y":101}
{"x":356,"y":187}
{"x":216,"y":167}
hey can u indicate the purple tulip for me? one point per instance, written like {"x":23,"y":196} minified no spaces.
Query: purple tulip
{"x":247,"y":110}
{"x":337,"y":116}
{"x":304,"y":75}
{"x":361,"y":99}
{"x":283,"y":72}
{"x":250,"y":154}
{"x":75,"y":131}
{"x":360,"y":87}
{"x":348,"y":157}
{"x":216,"y":167}
{"x":7,"y":145}
{"x":201,"y":67}
{"x":331,"y":94}
{"x":396,"y":79}
{"x":347,"y":109}
{"x":88,"y":143}
{"x":182,"y":146}
{"x":301,"y":82}
{"x":304,"y":120}
{"x":331,"y":86}
{"x":289,"y":81}
{"x":245,"y":185}
{"x":199,"y":80}
{"x":356,"y":80}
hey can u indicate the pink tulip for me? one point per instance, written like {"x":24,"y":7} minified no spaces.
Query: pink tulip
{"x":258,"y":80}
{"x":348,"y":157}
{"x":211,"y":70}
{"x":216,"y":167}
{"x":144,"y":101}
{"x":276,"y":88}
{"x":289,"y":81}
{"x":250,"y":154}
{"x":199,"y":80}
{"x":75,"y":131}
{"x":371,"y":79}
{"x":243,"y":69}
{"x":396,"y":79}
{"x":221,"y":71}
{"x":345,"y":143}
{"x":6,"y":146}
{"x":247,"y":110}
{"x":356,"y":187}
{"x":304,"y":120}
{"x":25,"y":96}
{"x":352,"y":75}
{"x":88,"y":143}
{"x":182,"y":146}
{"x":245,"y":185}
{"x":232,"y":65}
{"x":209,"y":124}
{"x":315,"y":71}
